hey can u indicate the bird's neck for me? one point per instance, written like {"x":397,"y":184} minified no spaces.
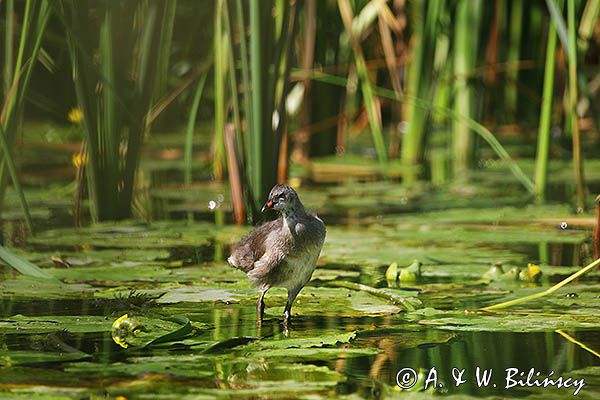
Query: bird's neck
{"x":293,"y":214}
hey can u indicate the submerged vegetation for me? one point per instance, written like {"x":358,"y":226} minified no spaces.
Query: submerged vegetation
{"x":450,"y":147}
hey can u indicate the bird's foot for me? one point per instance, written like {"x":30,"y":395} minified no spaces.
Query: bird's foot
{"x":260,"y":308}
{"x":286,"y":318}
{"x":285,"y":326}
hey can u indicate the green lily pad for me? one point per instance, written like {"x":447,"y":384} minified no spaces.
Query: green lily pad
{"x":327,"y":345}
{"x":211,"y":274}
{"x":490,"y":234}
{"x":21,"y":357}
{"x":492,"y":215}
{"x":576,"y":298}
{"x":25,"y":287}
{"x":120,"y":273}
{"x":377,"y":247}
{"x":316,"y":354}
{"x":197,"y":294}
{"x":131,"y":234}
{"x":175,"y":366}
{"x":95,"y":257}
{"x":324,"y":339}
{"x":45,"y":324}
{"x":479,"y":322}
{"x":329,"y":274}
{"x":330,"y":302}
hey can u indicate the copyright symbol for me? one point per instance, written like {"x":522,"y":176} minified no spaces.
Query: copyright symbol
{"x":406,"y":378}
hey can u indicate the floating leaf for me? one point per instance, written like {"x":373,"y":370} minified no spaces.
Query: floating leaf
{"x":510,"y":322}
{"x":322,"y":340}
{"x":27,"y":357}
{"x":47,"y":324}
{"x":320,"y":301}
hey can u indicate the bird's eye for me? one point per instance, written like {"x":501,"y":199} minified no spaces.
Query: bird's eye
{"x":281,"y":197}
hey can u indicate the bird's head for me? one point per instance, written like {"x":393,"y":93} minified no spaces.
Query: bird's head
{"x":282,"y":198}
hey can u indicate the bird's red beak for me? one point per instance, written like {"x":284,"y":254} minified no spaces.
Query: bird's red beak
{"x":268,"y":205}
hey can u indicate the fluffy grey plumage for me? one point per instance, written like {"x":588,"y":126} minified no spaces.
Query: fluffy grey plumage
{"x":282,"y":252}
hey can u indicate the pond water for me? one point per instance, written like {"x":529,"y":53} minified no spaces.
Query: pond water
{"x":191,"y":332}
{"x":390,"y":345}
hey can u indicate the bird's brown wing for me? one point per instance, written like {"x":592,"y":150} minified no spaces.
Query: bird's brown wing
{"x":252,"y":247}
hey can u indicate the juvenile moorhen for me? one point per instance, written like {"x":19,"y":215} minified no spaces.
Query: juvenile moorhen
{"x":282,"y":252}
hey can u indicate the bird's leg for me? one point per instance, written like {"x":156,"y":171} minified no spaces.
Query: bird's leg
{"x":260,"y":306}
{"x":287,"y":312}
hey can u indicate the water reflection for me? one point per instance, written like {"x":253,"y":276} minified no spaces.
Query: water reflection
{"x":400,"y":344}
{"x":543,"y":351}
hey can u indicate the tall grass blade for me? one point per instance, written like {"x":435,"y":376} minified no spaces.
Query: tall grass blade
{"x":115,"y":90}
{"x":543,"y":145}
{"x":35,"y":19}
{"x":7,"y":72}
{"x":282,"y":87}
{"x":513,"y":57}
{"x":425,"y":37}
{"x":166,"y":42}
{"x":189,"y":131}
{"x":21,"y":265}
{"x":588,"y":19}
{"x":572,"y":111}
{"x":365,"y":83}
{"x":245,"y":74}
{"x":464,"y":60}
{"x":483,"y":132}
{"x":108,"y":130}
{"x":12,"y":171}
{"x":22,"y":45}
{"x":561,"y":27}
{"x":257,"y":68}
{"x":265,"y":62}
{"x":233,"y":83}
{"x":220,"y":71}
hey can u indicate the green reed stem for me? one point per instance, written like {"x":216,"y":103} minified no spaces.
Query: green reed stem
{"x":365,"y":84}
{"x":220,"y":71}
{"x":12,"y":171}
{"x":245,"y":68}
{"x":464,"y":57}
{"x":257,"y":73}
{"x":189,"y":131}
{"x":513,"y":56}
{"x":233,"y":85}
{"x":577,"y":158}
{"x":8,"y":45}
{"x":474,"y":125}
{"x":543,"y":144}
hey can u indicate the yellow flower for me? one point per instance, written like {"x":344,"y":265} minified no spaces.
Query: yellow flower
{"x":75,"y":115}
{"x":79,"y":159}
{"x":121,"y":328}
